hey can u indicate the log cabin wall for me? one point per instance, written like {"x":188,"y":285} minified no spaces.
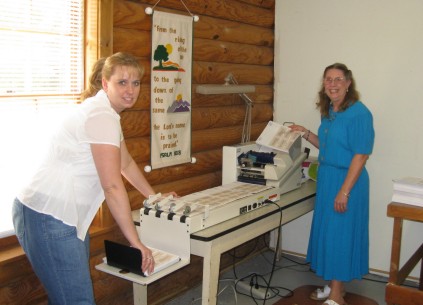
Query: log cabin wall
{"x":231,"y":37}
{"x":235,"y":37}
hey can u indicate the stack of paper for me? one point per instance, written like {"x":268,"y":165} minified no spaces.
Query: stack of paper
{"x":408,"y":190}
{"x":278,"y":136}
{"x":163,"y":260}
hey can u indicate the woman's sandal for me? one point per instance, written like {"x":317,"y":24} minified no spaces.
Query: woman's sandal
{"x":332,"y":302}
{"x":321,"y":294}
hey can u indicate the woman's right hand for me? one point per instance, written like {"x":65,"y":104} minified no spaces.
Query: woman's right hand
{"x":147,"y":264}
{"x":298,"y":128}
{"x":306,"y":134}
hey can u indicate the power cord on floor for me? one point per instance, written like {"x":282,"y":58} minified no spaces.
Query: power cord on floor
{"x":259,"y":288}
{"x":255,"y":288}
{"x":276,"y":252}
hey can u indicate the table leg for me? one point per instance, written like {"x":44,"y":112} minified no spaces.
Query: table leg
{"x":396,"y":249}
{"x":140,"y":294}
{"x":211,"y":265}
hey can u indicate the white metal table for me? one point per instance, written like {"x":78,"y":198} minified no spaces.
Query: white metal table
{"x":210,"y":243}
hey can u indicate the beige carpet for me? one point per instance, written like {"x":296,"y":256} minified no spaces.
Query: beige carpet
{"x":301,"y":297}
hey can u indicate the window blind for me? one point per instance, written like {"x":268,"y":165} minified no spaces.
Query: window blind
{"x":41,"y":77}
{"x":41,"y":48}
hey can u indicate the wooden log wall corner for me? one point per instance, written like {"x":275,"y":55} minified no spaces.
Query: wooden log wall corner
{"x":235,"y":37}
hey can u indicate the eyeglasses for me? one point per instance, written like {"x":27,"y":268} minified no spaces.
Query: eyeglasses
{"x":336,"y":80}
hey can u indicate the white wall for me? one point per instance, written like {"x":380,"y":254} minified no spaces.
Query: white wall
{"x":381,"y":41}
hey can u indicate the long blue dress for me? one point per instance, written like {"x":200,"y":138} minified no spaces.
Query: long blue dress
{"x":339,"y":242}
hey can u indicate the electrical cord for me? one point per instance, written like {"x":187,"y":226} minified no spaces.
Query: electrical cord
{"x":276,"y":248}
{"x":235,"y":257}
{"x":256,"y":280}
{"x":254,"y":284}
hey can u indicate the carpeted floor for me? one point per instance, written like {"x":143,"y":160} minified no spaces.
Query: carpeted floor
{"x":301,"y":297}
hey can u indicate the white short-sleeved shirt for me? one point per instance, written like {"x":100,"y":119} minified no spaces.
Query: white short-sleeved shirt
{"x":67,"y":185}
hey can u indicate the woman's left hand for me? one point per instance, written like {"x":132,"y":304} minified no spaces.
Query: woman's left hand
{"x":341,"y":202}
{"x":170,"y":193}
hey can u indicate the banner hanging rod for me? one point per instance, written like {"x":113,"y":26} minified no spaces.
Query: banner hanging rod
{"x":149,"y":10}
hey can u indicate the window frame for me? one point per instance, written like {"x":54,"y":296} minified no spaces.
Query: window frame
{"x":98,"y":41}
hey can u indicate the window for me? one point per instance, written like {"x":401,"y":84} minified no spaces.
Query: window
{"x":41,"y":75}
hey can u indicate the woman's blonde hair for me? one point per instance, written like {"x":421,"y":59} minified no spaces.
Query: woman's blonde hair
{"x":94,"y":84}
{"x":120,"y":59}
{"x":104,"y":67}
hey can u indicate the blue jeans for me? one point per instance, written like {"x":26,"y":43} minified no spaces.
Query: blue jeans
{"x":58,"y":257}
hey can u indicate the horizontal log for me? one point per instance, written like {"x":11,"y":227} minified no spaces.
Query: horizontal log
{"x":97,"y":241}
{"x":139,"y":148}
{"x":130,"y":15}
{"x":182,"y":280}
{"x":215,"y":73}
{"x":218,"y":137}
{"x":231,"y":52}
{"x":108,"y":287}
{"x":19,"y":292}
{"x":209,"y":73}
{"x":143,"y":101}
{"x":176,"y":283}
{"x":17,"y":270}
{"x":217,"y":117}
{"x":207,"y":162}
{"x":20,"y":268}
{"x":202,"y":140}
{"x":229,"y":31}
{"x":270,"y":4}
{"x":221,"y":46}
{"x":138,"y":43}
{"x":124,"y":298}
{"x":111,"y":290}
{"x":6,"y":242}
{"x":262,"y":95}
{"x":181,"y":187}
{"x":137,"y":123}
{"x":229,"y":10}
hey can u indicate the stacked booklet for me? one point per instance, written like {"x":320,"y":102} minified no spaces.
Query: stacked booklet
{"x":408,"y":190}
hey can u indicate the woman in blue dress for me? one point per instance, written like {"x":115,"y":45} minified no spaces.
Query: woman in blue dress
{"x":339,"y":239}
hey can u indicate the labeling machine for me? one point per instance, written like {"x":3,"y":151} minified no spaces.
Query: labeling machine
{"x":209,"y":207}
{"x":275,"y":159}
{"x":254,"y":175}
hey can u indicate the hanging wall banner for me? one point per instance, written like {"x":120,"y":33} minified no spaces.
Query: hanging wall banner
{"x":171,"y":61}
